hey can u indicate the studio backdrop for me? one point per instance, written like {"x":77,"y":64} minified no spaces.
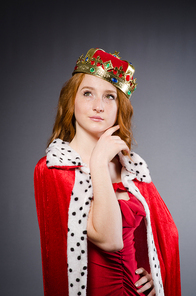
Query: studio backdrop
{"x":40,"y":43}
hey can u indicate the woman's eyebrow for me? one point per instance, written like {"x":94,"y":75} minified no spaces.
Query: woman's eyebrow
{"x":111,"y":91}
{"x":107,"y":90}
{"x":89,"y":87}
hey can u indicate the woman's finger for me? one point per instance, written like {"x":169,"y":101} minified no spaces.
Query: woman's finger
{"x":145,"y":282}
{"x":140,"y":271}
{"x":145,"y":276}
{"x":152,"y":293}
{"x":147,"y":286}
{"x":111,"y":130}
{"x":141,"y":281}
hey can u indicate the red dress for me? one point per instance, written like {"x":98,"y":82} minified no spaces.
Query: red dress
{"x":113,"y":273}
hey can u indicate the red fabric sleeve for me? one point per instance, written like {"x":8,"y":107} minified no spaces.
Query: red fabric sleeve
{"x":166,"y":238}
{"x":53,"y":189}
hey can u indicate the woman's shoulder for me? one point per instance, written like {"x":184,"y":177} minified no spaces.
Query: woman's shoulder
{"x":41,"y":167}
{"x":41,"y":162}
{"x":60,"y":154}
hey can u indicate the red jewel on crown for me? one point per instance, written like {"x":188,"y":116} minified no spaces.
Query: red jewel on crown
{"x":127,"y":77}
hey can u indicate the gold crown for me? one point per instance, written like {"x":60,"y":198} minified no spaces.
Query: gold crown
{"x":108,"y":67}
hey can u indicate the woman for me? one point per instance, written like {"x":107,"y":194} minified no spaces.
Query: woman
{"x":95,"y":200}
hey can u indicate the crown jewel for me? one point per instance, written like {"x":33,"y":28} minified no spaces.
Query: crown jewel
{"x":108,"y":67}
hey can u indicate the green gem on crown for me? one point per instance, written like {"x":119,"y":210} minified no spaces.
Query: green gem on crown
{"x":129,"y":93}
{"x":92,"y":70}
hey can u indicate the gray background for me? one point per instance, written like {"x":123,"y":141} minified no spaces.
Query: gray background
{"x":40,"y":42}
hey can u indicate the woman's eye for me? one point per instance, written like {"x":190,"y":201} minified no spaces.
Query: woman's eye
{"x":87,"y":93}
{"x":110,"y":97}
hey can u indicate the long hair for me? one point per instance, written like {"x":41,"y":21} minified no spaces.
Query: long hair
{"x":64,"y":126}
{"x":124,"y":116}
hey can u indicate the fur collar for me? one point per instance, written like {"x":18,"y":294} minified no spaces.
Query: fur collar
{"x":60,"y":154}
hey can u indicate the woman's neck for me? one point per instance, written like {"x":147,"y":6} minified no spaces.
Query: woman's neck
{"x":84,"y":144}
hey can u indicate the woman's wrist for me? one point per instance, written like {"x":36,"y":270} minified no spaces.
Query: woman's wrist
{"x":98,"y":163}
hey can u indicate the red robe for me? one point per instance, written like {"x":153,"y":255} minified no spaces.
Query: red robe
{"x":53,"y":188}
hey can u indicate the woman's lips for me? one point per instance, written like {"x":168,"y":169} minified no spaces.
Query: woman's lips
{"x":96,"y":118}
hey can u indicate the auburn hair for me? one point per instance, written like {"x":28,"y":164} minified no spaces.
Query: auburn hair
{"x":64,"y":126}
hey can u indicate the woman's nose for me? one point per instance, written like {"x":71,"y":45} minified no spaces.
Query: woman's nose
{"x":98,"y":105}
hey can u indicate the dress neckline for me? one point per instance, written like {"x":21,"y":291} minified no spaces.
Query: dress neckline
{"x":119,"y":186}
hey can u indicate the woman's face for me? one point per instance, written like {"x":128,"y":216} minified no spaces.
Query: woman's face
{"x":95,"y":105}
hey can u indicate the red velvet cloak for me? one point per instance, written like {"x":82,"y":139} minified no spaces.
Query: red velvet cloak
{"x":53,"y":187}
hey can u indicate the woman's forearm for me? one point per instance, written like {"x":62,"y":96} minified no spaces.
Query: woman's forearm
{"x":105,"y":221}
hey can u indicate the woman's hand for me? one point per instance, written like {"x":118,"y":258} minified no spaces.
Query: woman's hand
{"x":145,"y":282}
{"x":107,"y":147}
